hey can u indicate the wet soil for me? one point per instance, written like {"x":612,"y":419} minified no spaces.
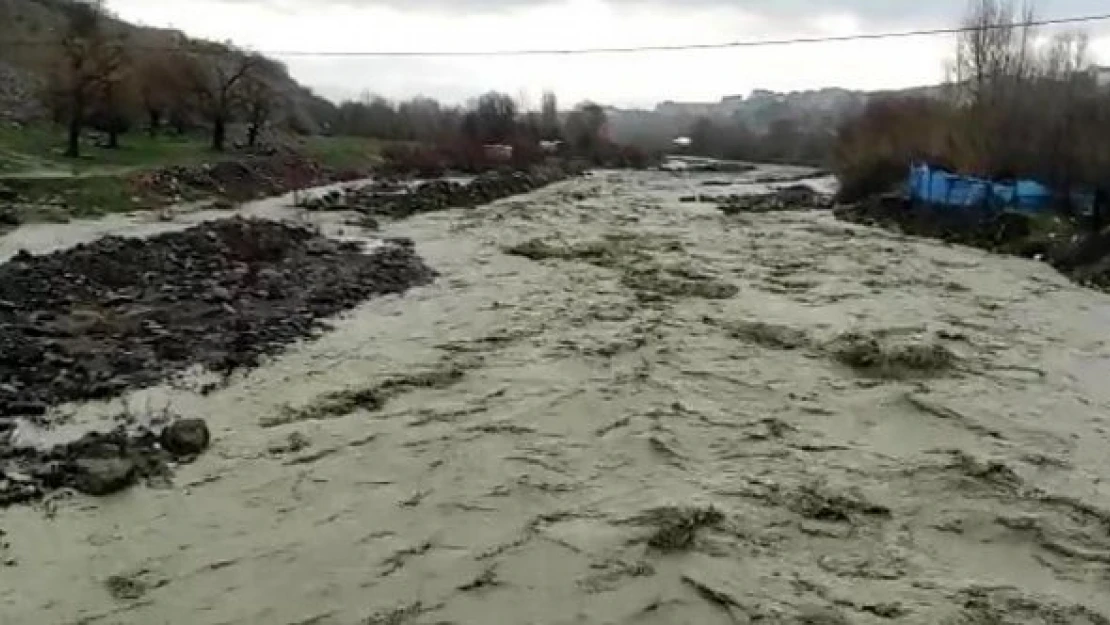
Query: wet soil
{"x":119,"y":313}
{"x":397,"y":200}
{"x":873,"y":428}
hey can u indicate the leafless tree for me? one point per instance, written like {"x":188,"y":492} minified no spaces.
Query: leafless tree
{"x":160,"y":78}
{"x":259,"y":103}
{"x":92,"y":62}
{"x":215,"y":75}
{"x":993,"y":55}
{"x":550,"y":128}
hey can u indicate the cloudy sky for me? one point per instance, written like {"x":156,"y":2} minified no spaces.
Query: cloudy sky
{"x":621,"y":79}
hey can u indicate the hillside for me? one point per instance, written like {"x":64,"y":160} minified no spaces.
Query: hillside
{"x":814,"y":111}
{"x":31,"y":29}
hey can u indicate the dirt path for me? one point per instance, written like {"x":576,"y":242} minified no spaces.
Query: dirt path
{"x":610,"y":438}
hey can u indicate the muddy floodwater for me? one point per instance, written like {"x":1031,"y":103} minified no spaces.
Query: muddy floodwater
{"x":647,"y":412}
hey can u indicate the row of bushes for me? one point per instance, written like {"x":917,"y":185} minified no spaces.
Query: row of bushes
{"x":436,"y":160}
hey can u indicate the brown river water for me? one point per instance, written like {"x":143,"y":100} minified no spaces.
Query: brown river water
{"x":566,"y":420}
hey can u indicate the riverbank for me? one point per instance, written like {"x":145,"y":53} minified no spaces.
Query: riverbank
{"x":1066,"y":244}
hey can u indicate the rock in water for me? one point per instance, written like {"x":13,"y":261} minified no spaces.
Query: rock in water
{"x":187,"y":437}
{"x":103,"y":476}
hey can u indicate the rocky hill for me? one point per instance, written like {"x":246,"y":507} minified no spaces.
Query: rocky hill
{"x":31,"y":29}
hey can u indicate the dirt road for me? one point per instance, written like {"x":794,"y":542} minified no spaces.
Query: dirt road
{"x":645,"y":419}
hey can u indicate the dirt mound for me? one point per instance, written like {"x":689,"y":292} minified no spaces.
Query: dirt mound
{"x":254,"y":177}
{"x":94,"y":320}
{"x":389,"y":198}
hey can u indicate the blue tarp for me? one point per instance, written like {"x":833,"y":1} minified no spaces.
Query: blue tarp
{"x":942,"y":189}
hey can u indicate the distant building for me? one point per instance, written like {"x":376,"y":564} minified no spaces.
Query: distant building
{"x":1102,"y":76}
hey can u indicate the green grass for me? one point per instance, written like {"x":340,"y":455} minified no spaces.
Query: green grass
{"x":84,"y":196}
{"x":344,"y":152}
{"x":54,"y":186}
{"x":40,"y":149}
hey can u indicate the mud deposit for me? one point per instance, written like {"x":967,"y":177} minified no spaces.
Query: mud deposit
{"x":394,"y":200}
{"x":615,"y":407}
{"x":119,"y":313}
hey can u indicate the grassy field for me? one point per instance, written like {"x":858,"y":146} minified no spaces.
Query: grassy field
{"x":33,"y":164}
{"x":38,"y":150}
{"x":344,"y":152}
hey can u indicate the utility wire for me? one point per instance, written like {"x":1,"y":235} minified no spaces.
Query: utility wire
{"x":753,"y":43}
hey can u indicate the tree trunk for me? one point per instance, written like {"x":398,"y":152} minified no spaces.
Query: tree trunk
{"x":252,"y":135}
{"x":219,"y":134}
{"x":73,"y":145}
{"x":154,"y":117}
{"x":113,"y":139}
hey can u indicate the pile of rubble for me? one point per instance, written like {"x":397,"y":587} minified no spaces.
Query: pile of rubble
{"x":395,"y":200}
{"x":98,"y":463}
{"x":120,"y":313}
{"x":254,"y":177}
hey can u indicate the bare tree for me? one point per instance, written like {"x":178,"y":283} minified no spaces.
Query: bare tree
{"x":586,"y":130}
{"x":993,"y":54}
{"x":492,"y":119}
{"x":115,"y":110}
{"x":550,"y":128}
{"x":92,"y":61}
{"x":161,"y":86}
{"x":215,"y":76}
{"x":259,"y":103}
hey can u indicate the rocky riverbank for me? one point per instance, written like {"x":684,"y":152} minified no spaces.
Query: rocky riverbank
{"x":1066,"y":244}
{"x":395,"y":199}
{"x":119,"y":313}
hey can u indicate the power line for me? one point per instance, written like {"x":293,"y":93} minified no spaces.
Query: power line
{"x":753,"y":43}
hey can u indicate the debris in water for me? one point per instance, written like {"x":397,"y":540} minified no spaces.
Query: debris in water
{"x":98,"y":463}
{"x":867,"y":353}
{"x":676,"y":528}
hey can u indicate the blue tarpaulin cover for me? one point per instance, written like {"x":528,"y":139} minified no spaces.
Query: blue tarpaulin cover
{"x":940,"y":188}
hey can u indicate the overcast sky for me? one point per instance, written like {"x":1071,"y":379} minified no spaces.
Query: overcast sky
{"x":625,"y":80}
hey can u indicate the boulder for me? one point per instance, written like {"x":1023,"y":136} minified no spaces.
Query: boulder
{"x":187,"y":437}
{"x":103,"y":476}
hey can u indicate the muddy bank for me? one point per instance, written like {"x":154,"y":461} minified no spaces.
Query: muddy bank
{"x":1066,"y":244}
{"x":119,"y":313}
{"x":395,"y":200}
{"x":788,"y":198}
{"x":237,"y":180}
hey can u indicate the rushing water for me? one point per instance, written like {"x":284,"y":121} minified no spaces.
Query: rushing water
{"x":526,"y":490}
